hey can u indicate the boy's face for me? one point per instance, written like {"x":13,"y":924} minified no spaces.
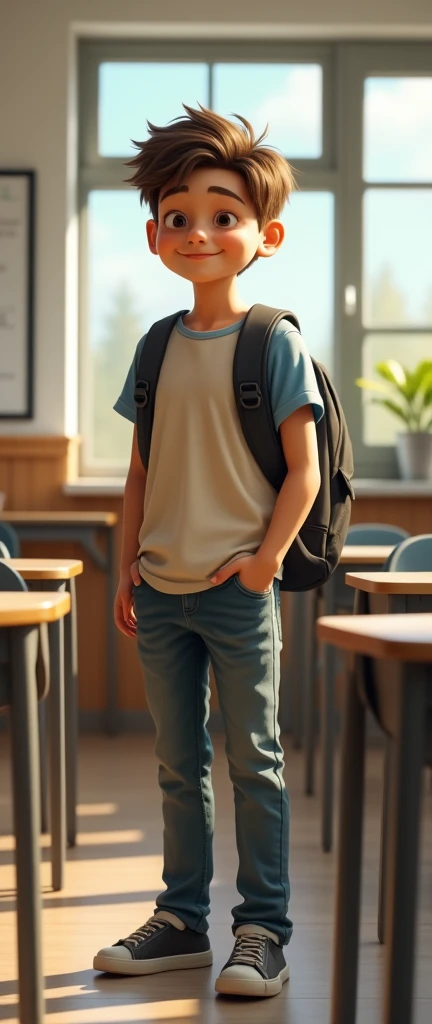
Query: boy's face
{"x":208,"y":229}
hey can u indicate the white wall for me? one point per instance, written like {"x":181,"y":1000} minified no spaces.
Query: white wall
{"x":37,"y":130}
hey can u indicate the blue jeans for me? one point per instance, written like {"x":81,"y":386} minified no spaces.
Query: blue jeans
{"x":239,"y":631}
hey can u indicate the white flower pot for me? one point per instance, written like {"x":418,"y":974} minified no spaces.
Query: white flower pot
{"x":414,"y":453}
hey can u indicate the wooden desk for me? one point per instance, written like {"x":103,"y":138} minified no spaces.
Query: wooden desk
{"x":20,"y":617}
{"x":21,"y":609}
{"x":406,"y":583}
{"x":404,"y":695}
{"x":380,"y":636}
{"x":391,"y":592}
{"x":82,"y":527}
{"x":46,"y":568}
{"x":365,"y":554}
{"x":55,"y":574}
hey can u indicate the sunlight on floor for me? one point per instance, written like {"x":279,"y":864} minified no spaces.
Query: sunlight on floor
{"x":169,"y":1009}
{"x":88,"y":810}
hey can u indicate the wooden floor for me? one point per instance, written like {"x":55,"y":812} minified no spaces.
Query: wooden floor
{"x":114,"y":875}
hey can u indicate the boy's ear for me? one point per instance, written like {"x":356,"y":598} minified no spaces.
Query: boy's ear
{"x":273,"y":236}
{"x":151,"y":229}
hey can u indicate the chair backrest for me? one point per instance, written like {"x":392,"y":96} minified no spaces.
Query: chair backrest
{"x":4,"y":551}
{"x":10,"y":579}
{"x":413,"y":555}
{"x":375,"y":533}
{"x":10,"y":537}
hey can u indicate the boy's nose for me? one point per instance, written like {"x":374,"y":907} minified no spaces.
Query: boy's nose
{"x":196,"y":234}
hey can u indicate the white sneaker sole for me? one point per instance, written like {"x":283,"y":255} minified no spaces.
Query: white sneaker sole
{"x":249,"y":987}
{"x":155,"y":966}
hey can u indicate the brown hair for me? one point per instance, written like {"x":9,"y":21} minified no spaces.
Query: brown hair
{"x":204,"y":138}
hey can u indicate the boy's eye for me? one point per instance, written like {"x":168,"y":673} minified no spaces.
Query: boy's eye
{"x":175,"y":219}
{"x":225,"y":220}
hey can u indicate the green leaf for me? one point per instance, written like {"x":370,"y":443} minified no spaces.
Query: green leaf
{"x":393,"y":372}
{"x":426,"y":389}
{"x":393,"y":407}
{"x":371,"y":385}
{"x":419,"y":379}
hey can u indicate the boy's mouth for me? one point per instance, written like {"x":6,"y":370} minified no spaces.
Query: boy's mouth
{"x":199,"y":255}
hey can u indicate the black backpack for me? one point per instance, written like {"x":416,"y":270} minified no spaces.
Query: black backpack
{"x":315,"y":552}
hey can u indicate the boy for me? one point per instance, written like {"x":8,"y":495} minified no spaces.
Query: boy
{"x":205,"y":583}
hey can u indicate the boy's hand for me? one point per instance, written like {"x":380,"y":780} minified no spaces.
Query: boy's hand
{"x":252,"y":572}
{"x":124,"y":615}
{"x":135,"y":573}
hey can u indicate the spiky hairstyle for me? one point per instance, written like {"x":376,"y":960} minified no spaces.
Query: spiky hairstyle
{"x":204,"y":138}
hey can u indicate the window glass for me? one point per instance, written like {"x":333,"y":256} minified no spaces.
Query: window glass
{"x":300,"y":276}
{"x":398,"y":129}
{"x":287,"y":96}
{"x":379,"y":425}
{"x":127,"y":290}
{"x":397,"y":278}
{"x":132,"y":93}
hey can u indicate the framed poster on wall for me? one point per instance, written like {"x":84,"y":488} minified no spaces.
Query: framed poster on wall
{"x":17,"y":190}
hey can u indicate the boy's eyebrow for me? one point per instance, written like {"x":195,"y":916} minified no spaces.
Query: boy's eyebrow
{"x":213,"y":188}
{"x":174,"y":190}
{"x":225,"y":192}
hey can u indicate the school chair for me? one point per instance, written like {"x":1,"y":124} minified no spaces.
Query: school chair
{"x":9,"y":537}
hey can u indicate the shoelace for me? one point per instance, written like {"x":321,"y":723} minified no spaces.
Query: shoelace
{"x":249,"y":949}
{"x":149,"y":928}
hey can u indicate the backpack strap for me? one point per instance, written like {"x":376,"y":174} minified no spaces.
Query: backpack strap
{"x":252,"y":393}
{"x":149,"y":367}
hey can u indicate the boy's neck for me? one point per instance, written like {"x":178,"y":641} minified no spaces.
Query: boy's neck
{"x":217,"y":304}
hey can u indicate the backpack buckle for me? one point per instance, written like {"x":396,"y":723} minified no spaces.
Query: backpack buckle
{"x":250,"y":395}
{"x":141,"y":393}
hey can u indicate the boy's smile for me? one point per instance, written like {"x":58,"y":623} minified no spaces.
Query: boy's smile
{"x":207,"y":227}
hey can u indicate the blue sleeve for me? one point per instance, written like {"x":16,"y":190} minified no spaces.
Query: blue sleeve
{"x":125,"y":404}
{"x":291,"y":374}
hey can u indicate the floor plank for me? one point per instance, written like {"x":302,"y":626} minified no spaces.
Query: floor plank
{"x":114,"y":874}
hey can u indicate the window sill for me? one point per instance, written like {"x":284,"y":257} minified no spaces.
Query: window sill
{"x":113,"y":486}
{"x":86,"y":486}
{"x":373,"y":488}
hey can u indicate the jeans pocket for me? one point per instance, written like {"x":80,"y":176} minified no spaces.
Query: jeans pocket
{"x":277,"y":601}
{"x":251,"y":593}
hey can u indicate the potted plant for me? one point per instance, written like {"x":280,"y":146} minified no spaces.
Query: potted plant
{"x":408,"y":395}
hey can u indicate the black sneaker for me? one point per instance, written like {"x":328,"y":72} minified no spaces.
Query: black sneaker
{"x":256,"y":967}
{"x":159,"y":945}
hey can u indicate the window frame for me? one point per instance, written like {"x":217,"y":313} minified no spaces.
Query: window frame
{"x":358,"y":62}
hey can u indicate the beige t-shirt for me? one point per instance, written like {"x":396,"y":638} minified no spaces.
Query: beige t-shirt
{"x":206,"y":499}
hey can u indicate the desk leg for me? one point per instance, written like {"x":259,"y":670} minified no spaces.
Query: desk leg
{"x":25,"y":772}
{"x":111,"y":717}
{"x":388,"y":762}
{"x":397,"y":603}
{"x":348,"y":875}
{"x":43,"y":767}
{"x":328,"y":723}
{"x":71,"y":713}
{"x":310,"y":687}
{"x":57,"y":744}
{"x":402,"y":859}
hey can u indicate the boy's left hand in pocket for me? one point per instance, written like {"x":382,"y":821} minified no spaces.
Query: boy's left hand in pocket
{"x":252,"y":572}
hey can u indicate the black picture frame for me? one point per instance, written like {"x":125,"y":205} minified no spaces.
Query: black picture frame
{"x":24,"y":340}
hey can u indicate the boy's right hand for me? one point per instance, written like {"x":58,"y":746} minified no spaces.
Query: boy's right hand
{"x":124,"y":615}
